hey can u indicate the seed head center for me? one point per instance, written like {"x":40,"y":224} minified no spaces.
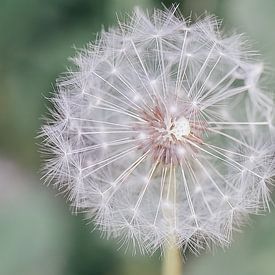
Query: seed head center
{"x":180,"y":128}
{"x":168,"y":135}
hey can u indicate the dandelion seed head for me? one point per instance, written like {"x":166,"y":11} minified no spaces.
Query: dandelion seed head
{"x":163,"y":129}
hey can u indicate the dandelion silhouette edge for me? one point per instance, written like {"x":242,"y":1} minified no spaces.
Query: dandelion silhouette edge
{"x":163,"y":130}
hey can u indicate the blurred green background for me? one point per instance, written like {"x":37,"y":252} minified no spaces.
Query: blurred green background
{"x":38,"y":235}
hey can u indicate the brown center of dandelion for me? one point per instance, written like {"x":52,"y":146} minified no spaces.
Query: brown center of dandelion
{"x":169,"y":134}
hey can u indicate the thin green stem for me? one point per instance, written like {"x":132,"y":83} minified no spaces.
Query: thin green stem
{"x":172,"y":261}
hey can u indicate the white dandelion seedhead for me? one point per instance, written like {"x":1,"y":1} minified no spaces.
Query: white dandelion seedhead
{"x":163,"y":131}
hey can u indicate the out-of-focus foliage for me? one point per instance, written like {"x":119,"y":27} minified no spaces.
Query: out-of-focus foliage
{"x":36,"y":39}
{"x":37,"y":233}
{"x":35,"y":230}
{"x":252,"y":253}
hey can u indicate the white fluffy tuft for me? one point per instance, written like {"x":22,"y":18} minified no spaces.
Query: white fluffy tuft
{"x":163,"y":130}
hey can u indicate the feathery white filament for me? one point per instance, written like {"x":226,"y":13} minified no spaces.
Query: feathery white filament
{"x":163,"y":129}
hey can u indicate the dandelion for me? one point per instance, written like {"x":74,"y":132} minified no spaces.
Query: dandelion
{"x":162,"y":133}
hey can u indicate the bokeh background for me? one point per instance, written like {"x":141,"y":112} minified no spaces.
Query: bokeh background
{"x":38,"y":235}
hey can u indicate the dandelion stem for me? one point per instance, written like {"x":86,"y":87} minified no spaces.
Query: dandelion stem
{"x":172,"y":261}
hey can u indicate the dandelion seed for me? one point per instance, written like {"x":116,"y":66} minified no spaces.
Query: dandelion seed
{"x":163,"y":131}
